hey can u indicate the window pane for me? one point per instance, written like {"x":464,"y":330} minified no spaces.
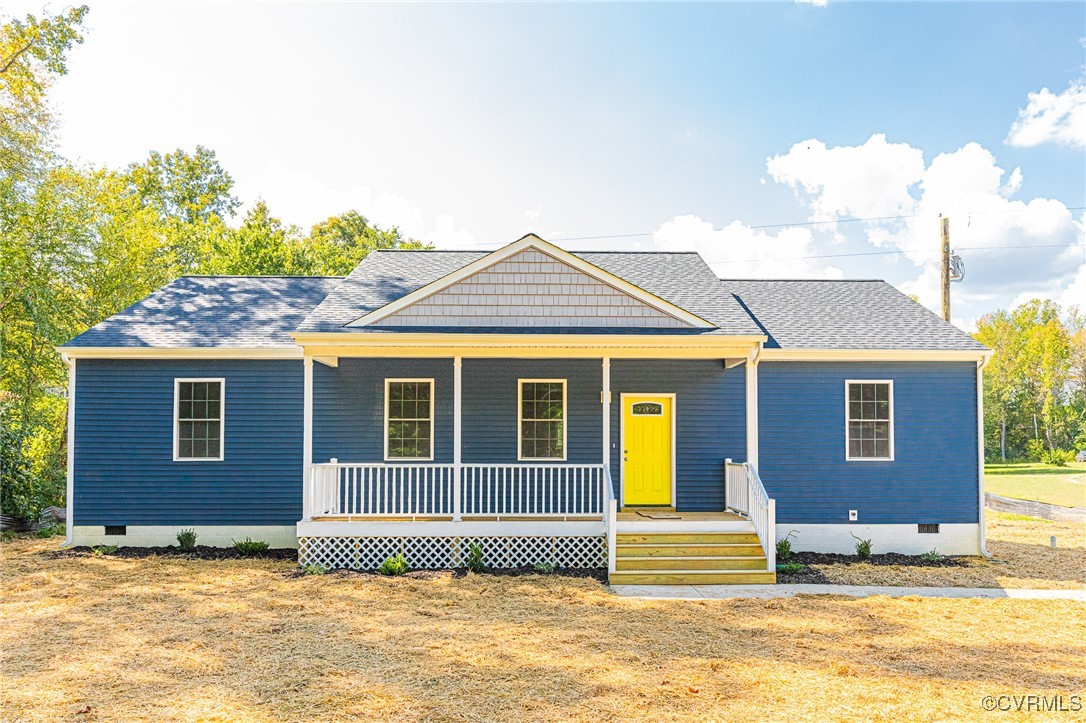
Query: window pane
{"x":184,"y":430}
{"x":185,"y":410}
{"x":213,"y":447}
{"x":199,"y":448}
{"x":882,"y":448}
{"x":184,"y":447}
{"x":882,"y":409}
{"x":867,"y":448}
{"x":854,"y":448}
{"x":854,"y":392}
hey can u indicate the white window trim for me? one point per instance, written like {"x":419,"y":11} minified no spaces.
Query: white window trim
{"x":433,"y":422}
{"x":849,"y":383}
{"x":520,"y":420}
{"x":222,"y":418}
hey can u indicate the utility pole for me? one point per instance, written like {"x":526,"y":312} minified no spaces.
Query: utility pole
{"x":945,"y":242}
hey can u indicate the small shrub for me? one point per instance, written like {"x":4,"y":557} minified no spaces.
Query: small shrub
{"x":100,"y":550}
{"x":393,"y":566}
{"x":49,"y":531}
{"x":791,"y":568}
{"x":475,"y":557}
{"x":1035,"y":450}
{"x":1057,"y":457}
{"x":543,"y":568}
{"x":863,"y":548}
{"x":186,"y":539}
{"x":7,"y":535}
{"x":932,"y":555}
{"x":314,"y":568}
{"x":784,"y":546}
{"x":250,"y":547}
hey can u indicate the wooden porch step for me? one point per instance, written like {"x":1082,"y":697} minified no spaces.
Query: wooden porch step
{"x":693,"y":577}
{"x":668,"y":538}
{"x":684,"y":549}
{"x":716,"y":562}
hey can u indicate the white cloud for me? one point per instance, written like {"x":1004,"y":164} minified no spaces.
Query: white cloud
{"x":816,"y":3}
{"x":882,"y":179}
{"x":311,"y":201}
{"x":1052,"y":118}
{"x":869,"y":180}
{"x":739,"y":251}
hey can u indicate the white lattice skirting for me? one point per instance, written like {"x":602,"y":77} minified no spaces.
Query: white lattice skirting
{"x":434,"y":553}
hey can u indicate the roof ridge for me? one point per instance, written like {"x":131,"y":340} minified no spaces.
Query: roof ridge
{"x":833,"y":281}
{"x":571,"y":251}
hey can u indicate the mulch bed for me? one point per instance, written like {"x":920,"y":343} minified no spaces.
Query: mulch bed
{"x":200,"y":552}
{"x":811,"y":575}
{"x":598,"y":574}
{"x":889,"y":558}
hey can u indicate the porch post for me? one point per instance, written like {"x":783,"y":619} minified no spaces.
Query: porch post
{"x":307,"y":436}
{"x":457,"y":465}
{"x":606,"y":401}
{"x":752,"y":406}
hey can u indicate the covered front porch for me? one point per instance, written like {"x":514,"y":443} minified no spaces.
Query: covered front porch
{"x":542,"y":454}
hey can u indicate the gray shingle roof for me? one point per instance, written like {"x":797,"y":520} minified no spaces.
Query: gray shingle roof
{"x":845,"y":315}
{"x":213,"y":311}
{"x":262,"y":311}
{"x":683,"y":279}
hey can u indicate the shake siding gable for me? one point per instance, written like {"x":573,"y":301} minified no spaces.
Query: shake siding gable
{"x":531,"y":289}
{"x":933,"y":478}
{"x":124,"y":468}
{"x":710,"y":422}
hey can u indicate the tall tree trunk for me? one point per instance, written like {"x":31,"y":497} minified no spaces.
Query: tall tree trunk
{"x":1003,"y":441}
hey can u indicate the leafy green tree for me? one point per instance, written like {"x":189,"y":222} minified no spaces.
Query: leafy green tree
{"x":41,"y":245}
{"x":338,"y":243}
{"x":263,"y":245}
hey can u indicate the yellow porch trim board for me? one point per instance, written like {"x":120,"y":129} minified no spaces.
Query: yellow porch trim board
{"x":647,"y":450}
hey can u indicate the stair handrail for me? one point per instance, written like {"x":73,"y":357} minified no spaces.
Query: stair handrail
{"x":610,"y":516}
{"x":763,"y":513}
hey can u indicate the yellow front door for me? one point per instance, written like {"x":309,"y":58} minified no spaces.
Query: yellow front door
{"x":646,"y":450}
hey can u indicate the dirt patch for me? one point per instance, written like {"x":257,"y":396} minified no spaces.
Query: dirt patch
{"x":169,"y":638}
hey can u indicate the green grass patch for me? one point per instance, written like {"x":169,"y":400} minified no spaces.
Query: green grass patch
{"x":1065,"y":486}
{"x":1013,"y":517}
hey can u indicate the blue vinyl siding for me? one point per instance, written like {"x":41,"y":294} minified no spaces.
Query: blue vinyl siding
{"x":349,"y":407}
{"x":933,"y":477}
{"x":490,"y":406}
{"x":124,"y":468}
{"x":710,"y":422}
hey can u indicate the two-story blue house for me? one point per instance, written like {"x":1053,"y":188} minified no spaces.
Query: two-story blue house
{"x":619,"y":409}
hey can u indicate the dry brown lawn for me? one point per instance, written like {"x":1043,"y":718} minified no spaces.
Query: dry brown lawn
{"x":1022,"y":557}
{"x":108,"y":639}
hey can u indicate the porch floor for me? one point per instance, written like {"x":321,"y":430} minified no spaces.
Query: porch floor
{"x":664,"y":517}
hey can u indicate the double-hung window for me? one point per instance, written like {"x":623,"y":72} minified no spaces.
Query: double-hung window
{"x":869,"y":418}
{"x":198,"y":432}
{"x":542,"y":419}
{"x":409,"y":419}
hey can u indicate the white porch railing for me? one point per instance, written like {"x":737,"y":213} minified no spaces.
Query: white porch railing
{"x":436,"y":490}
{"x":532,"y":490}
{"x":745,"y":493}
{"x":381,"y":490}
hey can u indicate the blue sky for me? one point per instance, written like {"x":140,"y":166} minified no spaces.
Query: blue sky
{"x":468,"y":125}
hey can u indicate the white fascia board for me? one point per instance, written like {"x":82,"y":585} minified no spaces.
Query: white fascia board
{"x":859,"y":355}
{"x":88,"y":352}
{"x":534,"y":242}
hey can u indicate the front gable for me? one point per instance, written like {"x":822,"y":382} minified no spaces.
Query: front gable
{"x":527,"y":284}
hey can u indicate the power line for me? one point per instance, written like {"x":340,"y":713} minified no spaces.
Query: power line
{"x":884,"y":253}
{"x":823,"y":222}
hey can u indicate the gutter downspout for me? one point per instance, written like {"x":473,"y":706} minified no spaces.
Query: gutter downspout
{"x":69,"y":501}
{"x":980,"y":453}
